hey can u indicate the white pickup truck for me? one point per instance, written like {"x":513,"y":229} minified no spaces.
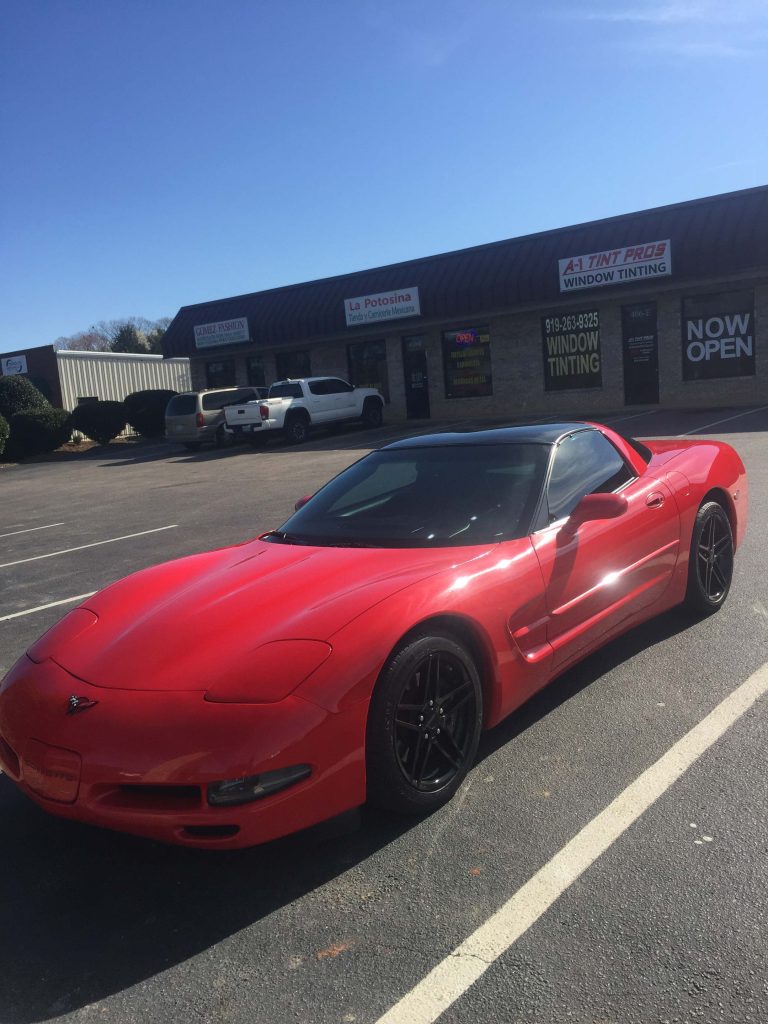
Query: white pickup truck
{"x":295,"y":406}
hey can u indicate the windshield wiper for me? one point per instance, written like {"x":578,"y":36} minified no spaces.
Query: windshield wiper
{"x":282,"y":537}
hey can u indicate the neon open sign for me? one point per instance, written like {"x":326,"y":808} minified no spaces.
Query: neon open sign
{"x":466,"y":337}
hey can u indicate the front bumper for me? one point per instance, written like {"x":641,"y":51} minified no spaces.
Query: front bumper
{"x":140,"y":761}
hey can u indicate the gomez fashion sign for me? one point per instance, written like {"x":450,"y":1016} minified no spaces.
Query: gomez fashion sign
{"x":571,"y":346}
{"x":12,"y":365}
{"x":383,"y":306}
{"x":718,"y":335}
{"x":616,"y":266}
{"x":225,"y":332}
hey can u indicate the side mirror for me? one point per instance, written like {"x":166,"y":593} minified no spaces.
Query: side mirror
{"x":303,"y":501}
{"x":598,"y":506}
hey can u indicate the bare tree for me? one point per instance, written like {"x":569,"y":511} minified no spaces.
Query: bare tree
{"x":130,"y":334}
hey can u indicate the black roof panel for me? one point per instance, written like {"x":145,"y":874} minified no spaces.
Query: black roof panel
{"x":528,"y":433}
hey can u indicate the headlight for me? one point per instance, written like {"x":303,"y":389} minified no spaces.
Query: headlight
{"x":254,"y":787}
{"x":269,"y":673}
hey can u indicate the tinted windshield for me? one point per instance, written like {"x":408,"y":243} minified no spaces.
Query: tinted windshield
{"x":426,"y":497}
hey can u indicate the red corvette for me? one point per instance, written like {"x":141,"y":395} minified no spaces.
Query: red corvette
{"x":355,"y":654}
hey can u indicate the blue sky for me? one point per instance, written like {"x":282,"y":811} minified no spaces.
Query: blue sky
{"x":157,"y":152}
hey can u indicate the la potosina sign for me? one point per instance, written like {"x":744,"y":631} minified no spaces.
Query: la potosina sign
{"x":225,"y":332}
{"x":616,"y":266}
{"x":384,"y":306}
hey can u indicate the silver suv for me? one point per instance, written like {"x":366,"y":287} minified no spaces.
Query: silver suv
{"x":197,"y":417}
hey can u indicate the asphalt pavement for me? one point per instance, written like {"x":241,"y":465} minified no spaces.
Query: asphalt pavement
{"x":340,"y":923}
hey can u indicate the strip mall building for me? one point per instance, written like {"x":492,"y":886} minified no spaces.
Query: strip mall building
{"x":665,"y":307}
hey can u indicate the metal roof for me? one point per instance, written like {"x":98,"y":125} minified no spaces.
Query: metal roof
{"x":713,"y":237}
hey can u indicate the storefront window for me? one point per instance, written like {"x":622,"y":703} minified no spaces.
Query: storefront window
{"x":255,"y":369}
{"x":571,"y":350}
{"x":718,"y":335}
{"x":220,"y":374}
{"x":293,"y":365}
{"x":467,"y":363}
{"x":368,"y":365}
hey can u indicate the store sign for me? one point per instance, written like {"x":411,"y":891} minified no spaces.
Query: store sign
{"x":12,"y":365}
{"x":467,"y":362}
{"x":616,"y":266}
{"x":225,"y":332}
{"x":718,"y":336}
{"x":571,"y":349}
{"x":383,"y":306}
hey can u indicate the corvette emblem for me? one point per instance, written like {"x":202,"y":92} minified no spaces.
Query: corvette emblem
{"x":76,"y":704}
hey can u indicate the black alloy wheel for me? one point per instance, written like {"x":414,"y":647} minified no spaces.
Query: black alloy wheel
{"x":424,"y":725}
{"x":711,"y":562}
{"x":297,"y":430}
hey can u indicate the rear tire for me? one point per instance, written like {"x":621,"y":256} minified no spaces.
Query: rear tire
{"x":710,"y":566}
{"x":373,"y":414}
{"x":224,"y":439}
{"x":424,"y":725}
{"x":297,"y":429}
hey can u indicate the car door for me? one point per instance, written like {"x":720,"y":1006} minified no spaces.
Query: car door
{"x":319,"y":401}
{"x":343,"y":398}
{"x":599,"y":572}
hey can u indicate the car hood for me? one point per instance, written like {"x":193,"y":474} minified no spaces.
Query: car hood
{"x":178,"y":625}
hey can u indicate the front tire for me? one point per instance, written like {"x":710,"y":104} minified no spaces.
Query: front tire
{"x":424,"y":725}
{"x":373,"y":414}
{"x":710,"y":567}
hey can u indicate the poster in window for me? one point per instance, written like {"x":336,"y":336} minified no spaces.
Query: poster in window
{"x":571,"y":350}
{"x":367,"y":362}
{"x":718,"y":335}
{"x":467,"y":361}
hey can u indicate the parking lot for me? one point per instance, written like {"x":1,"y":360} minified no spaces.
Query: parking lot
{"x":341,"y":923}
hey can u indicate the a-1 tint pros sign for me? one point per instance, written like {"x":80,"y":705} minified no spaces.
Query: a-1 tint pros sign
{"x":718,"y":336}
{"x":616,"y":266}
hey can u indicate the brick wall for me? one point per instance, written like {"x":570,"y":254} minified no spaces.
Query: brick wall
{"x":518,"y":366}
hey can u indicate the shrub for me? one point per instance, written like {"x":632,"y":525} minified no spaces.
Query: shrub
{"x":145,"y":411}
{"x":18,"y":394}
{"x":3,"y":433}
{"x":35,"y":431}
{"x":101,"y":421}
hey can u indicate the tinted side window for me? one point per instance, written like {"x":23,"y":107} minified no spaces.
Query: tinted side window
{"x":216,"y":399}
{"x":585,"y":463}
{"x":181,"y":405}
{"x":319,"y":387}
{"x":241,"y":396}
{"x":285,"y":391}
{"x":336,"y":386}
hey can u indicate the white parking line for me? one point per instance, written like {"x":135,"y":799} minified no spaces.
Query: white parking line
{"x":632,"y":416}
{"x":31,"y":529}
{"x":51,"y":604}
{"x":82,"y":547}
{"x":451,"y":978}
{"x":716,"y":423}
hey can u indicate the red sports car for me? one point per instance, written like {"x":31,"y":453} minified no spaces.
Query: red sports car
{"x":355,"y":654}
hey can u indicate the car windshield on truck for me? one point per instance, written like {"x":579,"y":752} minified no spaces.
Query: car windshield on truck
{"x":425,"y":497}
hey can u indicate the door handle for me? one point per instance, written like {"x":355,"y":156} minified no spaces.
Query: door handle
{"x":655,"y":499}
